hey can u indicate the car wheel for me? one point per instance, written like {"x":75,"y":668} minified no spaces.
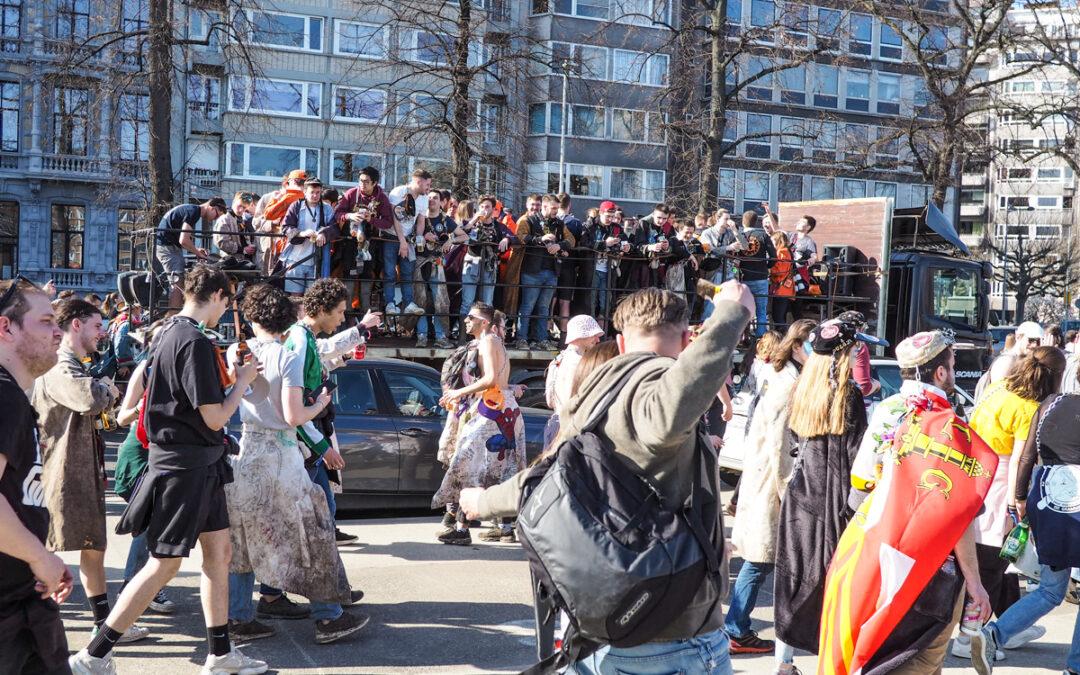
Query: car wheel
{"x":729,"y":478}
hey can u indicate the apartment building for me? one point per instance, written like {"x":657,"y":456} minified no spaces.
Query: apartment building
{"x":1029,"y":187}
{"x":826,"y":129}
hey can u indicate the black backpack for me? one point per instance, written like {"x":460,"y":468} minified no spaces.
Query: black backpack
{"x":604,"y":547}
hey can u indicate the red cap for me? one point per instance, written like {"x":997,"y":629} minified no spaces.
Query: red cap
{"x":609,"y":206}
{"x":296,"y":174}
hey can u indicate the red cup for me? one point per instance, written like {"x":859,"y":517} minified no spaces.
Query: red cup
{"x":360,"y":351}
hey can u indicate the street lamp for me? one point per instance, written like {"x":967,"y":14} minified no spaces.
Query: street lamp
{"x":566,"y":66}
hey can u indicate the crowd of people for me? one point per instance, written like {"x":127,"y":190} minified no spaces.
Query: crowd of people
{"x":882,"y":533}
{"x":432,"y":255}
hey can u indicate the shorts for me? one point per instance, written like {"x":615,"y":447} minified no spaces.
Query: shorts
{"x":34,"y":640}
{"x":174,"y":507}
{"x":569,"y":275}
{"x":171,"y":259}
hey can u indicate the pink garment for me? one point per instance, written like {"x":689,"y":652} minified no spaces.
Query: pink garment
{"x":861,"y":370}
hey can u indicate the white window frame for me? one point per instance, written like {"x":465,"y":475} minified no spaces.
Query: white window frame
{"x":637,"y":19}
{"x":335,"y":116}
{"x":380,"y":37}
{"x":643,"y":69}
{"x":881,"y":27}
{"x":762,"y":142}
{"x":307,"y":31}
{"x":413,"y":48}
{"x":575,"y":48}
{"x":602,"y":118}
{"x":844,"y":182}
{"x":851,"y":36}
{"x":869,"y":89}
{"x":574,"y":12}
{"x":248,"y":95}
{"x":755,"y":200}
{"x":304,"y":156}
{"x":898,"y":102}
{"x":333,"y":153}
{"x":647,"y":126}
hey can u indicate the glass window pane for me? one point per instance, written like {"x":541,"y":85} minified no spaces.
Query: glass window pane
{"x":762,"y":13}
{"x":854,"y":189}
{"x":628,"y":125}
{"x":264,"y":160}
{"x":790,"y":188}
{"x":626,"y":184}
{"x":755,"y":186}
{"x":278,"y":29}
{"x":587,"y":121}
{"x":821,"y":188}
{"x":538,"y":118}
{"x":726,"y":189}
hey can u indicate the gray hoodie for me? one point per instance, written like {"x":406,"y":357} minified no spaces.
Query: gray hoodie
{"x":652,"y":425}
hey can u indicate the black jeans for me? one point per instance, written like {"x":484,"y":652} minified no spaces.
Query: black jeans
{"x":1003,"y":589}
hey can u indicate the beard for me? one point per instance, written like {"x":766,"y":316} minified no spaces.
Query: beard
{"x":39,"y":358}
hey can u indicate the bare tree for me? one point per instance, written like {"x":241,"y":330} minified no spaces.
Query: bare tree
{"x":1031,"y":267}
{"x":449,"y":71}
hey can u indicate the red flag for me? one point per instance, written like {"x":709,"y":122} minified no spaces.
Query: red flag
{"x":935,"y":481}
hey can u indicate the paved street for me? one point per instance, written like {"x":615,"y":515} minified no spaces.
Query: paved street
{"x":434,"y":608}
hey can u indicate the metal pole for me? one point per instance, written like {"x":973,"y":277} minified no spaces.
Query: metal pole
{"x":1005,"y":270}
{"x":563,"y":126}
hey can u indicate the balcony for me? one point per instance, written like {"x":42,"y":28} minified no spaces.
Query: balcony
{"x":10,"y":162}
{"x":972,"y":210}
{"x":68,"y":50}
{"x":202,"y":182}
{"x":204,"y":117}
{"x":68,"y":279}
{"x":973,"y":179}
{"x":73,"y":166}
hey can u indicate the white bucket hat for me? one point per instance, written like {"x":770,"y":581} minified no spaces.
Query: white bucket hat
{"x":582,"y":326}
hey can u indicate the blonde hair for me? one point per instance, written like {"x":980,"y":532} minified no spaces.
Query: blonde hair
{"x":767,"y":344}
{"x":650,"y":311}
{"x":819,"y":403}
{"x":466,"y":209}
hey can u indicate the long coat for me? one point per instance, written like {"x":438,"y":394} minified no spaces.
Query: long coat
{"x":68,"y":401}
{"x":813,"y":515}
{"x":766,"y":470}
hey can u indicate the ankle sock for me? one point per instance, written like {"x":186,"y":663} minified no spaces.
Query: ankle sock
{"x":99,"y":605}
{"x":102,"y":643}
{"x":218,"y":637}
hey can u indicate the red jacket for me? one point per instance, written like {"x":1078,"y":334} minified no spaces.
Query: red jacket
{"x":384,"y":213}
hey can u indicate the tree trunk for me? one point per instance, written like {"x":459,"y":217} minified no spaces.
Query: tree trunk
{"x":684,"y":155}
{"x":159,"y":81}
{"x":460,"y":153}
{"x":715,"y":116}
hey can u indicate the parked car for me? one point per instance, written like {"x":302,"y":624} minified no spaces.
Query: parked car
{"x":999,"y":333}
{"x":885,"y":371}
{"x":388,"y":424}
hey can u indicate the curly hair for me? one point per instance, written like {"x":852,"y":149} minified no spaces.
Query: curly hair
{"x":269,"y":307}
{"x":324,"y":296}
{"x":202,"y":281}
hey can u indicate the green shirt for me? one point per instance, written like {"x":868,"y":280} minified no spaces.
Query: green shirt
{"x":131,"y":461}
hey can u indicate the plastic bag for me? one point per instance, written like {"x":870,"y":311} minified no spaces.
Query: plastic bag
{"x":1019,"y":550}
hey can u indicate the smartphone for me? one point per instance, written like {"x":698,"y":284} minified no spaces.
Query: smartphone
{"x":329,"y":385}
{"x":243,"y":352}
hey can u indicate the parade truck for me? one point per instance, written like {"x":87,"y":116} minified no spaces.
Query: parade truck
{"x":906,"y":270}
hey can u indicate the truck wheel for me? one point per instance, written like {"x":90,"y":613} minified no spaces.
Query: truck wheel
{"x":730,"y":478}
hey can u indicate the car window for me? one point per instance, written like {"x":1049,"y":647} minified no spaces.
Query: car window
{"x":414,"y":395}
{"x":889,"y":377}
{"x":354,"y":394}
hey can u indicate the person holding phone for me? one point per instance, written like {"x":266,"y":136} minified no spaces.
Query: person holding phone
{"x":271,"y":500}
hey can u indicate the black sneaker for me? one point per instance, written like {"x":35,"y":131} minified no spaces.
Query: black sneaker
{"x":508,"y":536}
{"x":357,"y":596}
{"x":343,"y":626}
{"x":282,"y":608}
{"x":344,"y":538}
{"x":162,"y":604}
{"x":248,"y":631}
{"x":456,"y":538}
{"x":750,"y":644}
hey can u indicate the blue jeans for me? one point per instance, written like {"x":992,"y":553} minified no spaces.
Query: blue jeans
{"x":299,"y":278}
{"x":760,"y":289}
{"x":744,"y":597}
{"x":718,"y":277}
{"x":391,"y":261}
{"x":537,"y":290}
{"x":602,"y":294}
{"x":242,"y":605}
{"x":706,"y":653}
{"x":317,"y":474}
{"x":1033,"y":606}
{"x":470,"y":279}
{"x":138,"y":554}
{"x":427,"y":321}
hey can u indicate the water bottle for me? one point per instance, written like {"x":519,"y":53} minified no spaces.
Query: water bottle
{"x":1015,"y":542}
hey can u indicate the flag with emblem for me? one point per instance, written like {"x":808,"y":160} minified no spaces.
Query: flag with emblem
{"x":936,"y":477}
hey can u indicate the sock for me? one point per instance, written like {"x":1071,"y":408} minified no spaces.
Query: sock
{"x":99,"y":605}
{"x":103,"y":642}
{"x":218,"y":637}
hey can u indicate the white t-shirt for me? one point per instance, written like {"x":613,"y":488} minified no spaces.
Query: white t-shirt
{"x":407,"y":218}
{"x":282,"y":369}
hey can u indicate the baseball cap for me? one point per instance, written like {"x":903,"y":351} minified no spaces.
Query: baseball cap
{"x":1029,"y":329}
{"x":296,"y":174}
{"x":608,"y":206}
{"x":582,"y":326}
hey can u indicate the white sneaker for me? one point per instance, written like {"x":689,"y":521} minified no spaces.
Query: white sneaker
{"x":392,"y":309}
{"x":961,"y":648}
{"x":134,"y":634}
{"x":84,"y":664}
{"x":413,"y":308}
{"x":1025,"y":636}
{"x":235,"y":662}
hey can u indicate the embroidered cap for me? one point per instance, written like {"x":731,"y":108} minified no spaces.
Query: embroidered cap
{"x":920,"y":348}
{"x":834,"y":335}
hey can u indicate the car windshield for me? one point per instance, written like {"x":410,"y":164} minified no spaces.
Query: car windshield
{"x":954,"y":296}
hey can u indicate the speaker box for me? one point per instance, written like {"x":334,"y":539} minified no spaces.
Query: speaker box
{"x":841,"y":262}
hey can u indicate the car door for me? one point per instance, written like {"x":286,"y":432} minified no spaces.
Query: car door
{"x":367,"y":434}
{"x":415,"y":397}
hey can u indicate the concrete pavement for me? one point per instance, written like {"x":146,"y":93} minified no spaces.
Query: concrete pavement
{"x":434,"y":609}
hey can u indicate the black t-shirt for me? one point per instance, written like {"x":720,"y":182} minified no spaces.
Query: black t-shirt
{"x":21,"y":486}
{"x":183,"y":376}
{"x":755,"y":259}
{"x":173,"y":221}
{"x":442,"y":226}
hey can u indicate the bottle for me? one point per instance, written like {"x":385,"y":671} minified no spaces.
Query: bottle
{"x":1015,"y":542}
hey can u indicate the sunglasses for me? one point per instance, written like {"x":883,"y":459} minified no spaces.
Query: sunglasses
{"x":10,"y":292}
